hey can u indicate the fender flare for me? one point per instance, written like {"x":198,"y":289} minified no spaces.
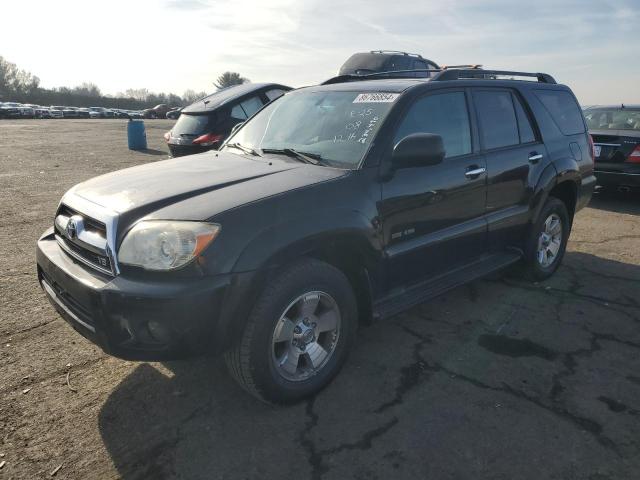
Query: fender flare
{"x":563,"y":170}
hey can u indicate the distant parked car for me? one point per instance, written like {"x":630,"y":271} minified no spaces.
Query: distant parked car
{"x":56,"y":111}
{"x":119,"y":113}
{"x":100,"y":112}
{"x":39,"y":111}
{"x":205,"y":124}
{"x":67,"y":112}
{"x":174,"y":114}
{"x":364,"y":63}
{"x":25,"y":111}
{"x":159,"y":111}
{"x":616,"y":144}
{"x":9,"y":110}
{"x":83,"y":113}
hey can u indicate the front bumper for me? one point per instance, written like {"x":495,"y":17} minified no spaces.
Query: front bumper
{"x":131,"y":318}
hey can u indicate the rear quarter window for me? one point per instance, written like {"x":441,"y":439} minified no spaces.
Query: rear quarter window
{"x":563,"y":109}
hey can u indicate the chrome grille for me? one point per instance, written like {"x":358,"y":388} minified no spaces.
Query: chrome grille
{"x":83,"y":238}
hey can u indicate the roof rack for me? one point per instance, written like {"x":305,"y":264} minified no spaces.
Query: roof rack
{"x":454,"y":72}
{"x":460,"y":73}
{"x":417,"y":55}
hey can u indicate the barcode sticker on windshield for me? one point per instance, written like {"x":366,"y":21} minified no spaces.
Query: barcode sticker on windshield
{"x":376,"y":97}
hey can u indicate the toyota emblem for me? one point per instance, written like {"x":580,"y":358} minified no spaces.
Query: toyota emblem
{"x":72,"y":229}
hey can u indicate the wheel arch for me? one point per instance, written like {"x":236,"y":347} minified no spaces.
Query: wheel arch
{"x":560,"y":180}
{"x":350,"y":246}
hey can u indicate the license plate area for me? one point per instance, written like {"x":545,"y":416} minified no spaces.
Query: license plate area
{"x":597,"y":150}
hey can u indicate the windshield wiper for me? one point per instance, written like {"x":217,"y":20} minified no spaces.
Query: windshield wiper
{"x":245,"y":149}
{"x":312,"y":158}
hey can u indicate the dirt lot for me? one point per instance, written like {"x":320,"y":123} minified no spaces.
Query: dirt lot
{"x":500,"y":379}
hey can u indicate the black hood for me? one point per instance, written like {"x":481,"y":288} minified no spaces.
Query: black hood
{"x":197,"y":187}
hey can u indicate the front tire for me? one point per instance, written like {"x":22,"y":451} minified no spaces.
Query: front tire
{"x":547,"y":240}
{"x":297,"y":335}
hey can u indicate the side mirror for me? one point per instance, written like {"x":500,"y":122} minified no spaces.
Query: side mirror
{"x":418,"y":150}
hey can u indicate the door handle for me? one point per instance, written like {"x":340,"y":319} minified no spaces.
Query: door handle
{"x":474,"y":171}
{"x":535,"y":157}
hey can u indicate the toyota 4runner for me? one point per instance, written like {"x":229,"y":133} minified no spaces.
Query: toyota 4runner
{"x":332,"y":205}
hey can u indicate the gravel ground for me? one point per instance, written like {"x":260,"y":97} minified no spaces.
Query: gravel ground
{"x":499,"y":379}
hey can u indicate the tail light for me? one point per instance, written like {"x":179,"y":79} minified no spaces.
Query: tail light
{"x":208,"y":139}
{"x":167,"y":136}
{"x":634,"y":157}
{"x":593,"y":148}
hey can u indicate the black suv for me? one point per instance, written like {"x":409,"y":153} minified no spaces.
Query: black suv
{"x":378,"y":61}
{"x":333,"y":205}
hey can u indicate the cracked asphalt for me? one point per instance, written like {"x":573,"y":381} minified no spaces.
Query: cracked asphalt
{"x":499,"y":379}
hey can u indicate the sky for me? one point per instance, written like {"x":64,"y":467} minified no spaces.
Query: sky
{"x":173,"y":45}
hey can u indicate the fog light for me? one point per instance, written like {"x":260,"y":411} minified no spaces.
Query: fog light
{"x":157,"y":331}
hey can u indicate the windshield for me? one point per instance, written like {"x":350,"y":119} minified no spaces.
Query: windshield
{"x":613,"y":119}
{"x":336,"y":126}
{"x":190,"y":124}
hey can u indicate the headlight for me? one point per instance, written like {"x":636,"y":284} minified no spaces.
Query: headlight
{"x":164,"y":244}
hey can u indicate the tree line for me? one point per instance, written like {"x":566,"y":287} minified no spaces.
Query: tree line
{"x":19,"y":85}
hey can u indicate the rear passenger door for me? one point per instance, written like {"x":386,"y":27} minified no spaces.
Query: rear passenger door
{"x":514,"y":154}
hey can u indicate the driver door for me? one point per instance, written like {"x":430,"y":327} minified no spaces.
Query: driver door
{"x":432,"y":216}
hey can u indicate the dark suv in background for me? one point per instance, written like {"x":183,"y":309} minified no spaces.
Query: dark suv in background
{"x":206,"y":123}
{"x":376,"y":61}
{"x":333,"y":205}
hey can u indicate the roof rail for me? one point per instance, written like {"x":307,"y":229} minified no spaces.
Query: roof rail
{"x":442,"y":74}
{"x":417,"y":55}
{"x":458,"y":73}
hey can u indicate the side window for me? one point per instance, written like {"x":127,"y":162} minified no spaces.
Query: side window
{"x":399,"y":62}
{"x":524,"y":124}
{"x":563,"y":109}
{"x":238,"y":113}
{"x":274,"y":93}
{"x":251,"y":105}
{"x":421,"y":65}
{"x":497,"y":117}
{"x":444,"y":114}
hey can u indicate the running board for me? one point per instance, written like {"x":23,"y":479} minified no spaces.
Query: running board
{"x":422,"y":292}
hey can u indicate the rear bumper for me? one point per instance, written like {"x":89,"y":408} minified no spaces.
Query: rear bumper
{"x":138,"y":319}
{"x":182,"y":150}
{"x":608,"y":178}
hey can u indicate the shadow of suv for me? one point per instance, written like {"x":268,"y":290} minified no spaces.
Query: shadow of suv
{"x":333,"y":204}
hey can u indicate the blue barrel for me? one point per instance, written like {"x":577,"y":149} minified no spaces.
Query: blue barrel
{"x":136,"y":135}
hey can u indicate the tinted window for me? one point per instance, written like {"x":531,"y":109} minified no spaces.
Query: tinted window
{"x":564,"y":110}
{"x":251,"y":105}
{"x":443,"y":114}
{"x":273,"y":94}
{"x":421,"y":65}
{"x":399,"y":62}
{"x":498,"y":127}
{"x":524,"y":125}
{"x":189,"y":124}
{"x":238,"y":113}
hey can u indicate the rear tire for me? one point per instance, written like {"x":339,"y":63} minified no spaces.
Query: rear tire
{"x":547,"y":240}
{"x":297,"y":335}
